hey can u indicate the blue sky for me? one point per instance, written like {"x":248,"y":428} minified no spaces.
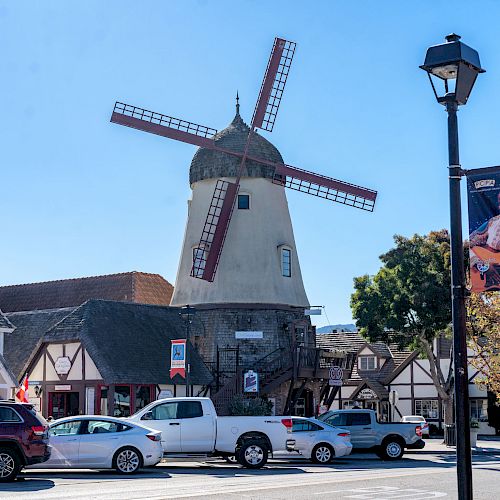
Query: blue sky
{"x":83,"y":197}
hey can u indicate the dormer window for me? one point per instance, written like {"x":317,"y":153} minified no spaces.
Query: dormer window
{"x":367,"y":362}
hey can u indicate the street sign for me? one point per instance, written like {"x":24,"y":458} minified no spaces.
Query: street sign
{"x":336,"y":376}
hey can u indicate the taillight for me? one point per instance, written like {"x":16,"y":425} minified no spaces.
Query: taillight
{"x":287,"y":422}
{"x":344,"y":434}
{"x":418,"y":431}
{"x":154,"y":437}
{"x":38,"y":430}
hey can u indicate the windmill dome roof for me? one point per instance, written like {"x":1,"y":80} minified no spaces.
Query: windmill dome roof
{"x":208,"y":164}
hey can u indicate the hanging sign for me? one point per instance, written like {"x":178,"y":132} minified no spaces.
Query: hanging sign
{"x":367,"y":394}
{"x":62,"y":365}
{"x":484,"y":231}
{"x":250,"y":381}
{"x":336,"y":376}
{"x":178,"y":358}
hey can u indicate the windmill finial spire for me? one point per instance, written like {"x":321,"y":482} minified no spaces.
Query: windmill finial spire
{"x":237,"y":103}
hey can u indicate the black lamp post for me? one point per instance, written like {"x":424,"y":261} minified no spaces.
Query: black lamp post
{"x":457,"y":66}
{"x":186,"y":313}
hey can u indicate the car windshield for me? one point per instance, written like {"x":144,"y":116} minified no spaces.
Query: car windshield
{"x":35,"y":413}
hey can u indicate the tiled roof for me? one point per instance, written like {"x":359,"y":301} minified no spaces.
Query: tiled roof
{"x":208,"y":163}
{"x":13,"y":379}
{"x":30,"y":327}
{"x":5,"y":324}
{"x":129,"y":343}
{"x":130,"y":287}
{"x":352,"y":342}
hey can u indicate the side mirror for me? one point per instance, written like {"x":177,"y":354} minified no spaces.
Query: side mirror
{"x":147,"y":416}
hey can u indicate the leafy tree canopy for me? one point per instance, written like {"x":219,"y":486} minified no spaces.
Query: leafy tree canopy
{"x":410,"y":294}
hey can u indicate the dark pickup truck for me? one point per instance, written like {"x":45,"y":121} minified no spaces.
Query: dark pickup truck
{"x":387,"y":440}
{"x":24,"y":438}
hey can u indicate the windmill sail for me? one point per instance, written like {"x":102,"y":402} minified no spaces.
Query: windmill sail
{"x":164,"y":125}
{"x":207,"y":255}
{"x":273,"y":84}
{"x":325,"y":187}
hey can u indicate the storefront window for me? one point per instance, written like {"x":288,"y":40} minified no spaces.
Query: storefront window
{"x":427,"y":408}
{"x":479,"y":409}
{"x":121,"y":407}
{"x":142,"y":396}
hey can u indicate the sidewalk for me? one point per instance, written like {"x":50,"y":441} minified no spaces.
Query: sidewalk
{"x":488,"y":446}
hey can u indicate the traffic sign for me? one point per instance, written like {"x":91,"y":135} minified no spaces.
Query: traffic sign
{"x":336,"y":376}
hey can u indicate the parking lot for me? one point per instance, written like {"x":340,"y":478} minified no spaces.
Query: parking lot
{"x":418,"y":476}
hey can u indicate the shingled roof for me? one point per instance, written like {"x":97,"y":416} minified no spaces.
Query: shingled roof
{"x":30,"y":328}
{"x":142,"y":288}
{"x":208,"y":163}
{"x":352,"y":342}
{"x":5,"y":325}
{"x":129,"y":343}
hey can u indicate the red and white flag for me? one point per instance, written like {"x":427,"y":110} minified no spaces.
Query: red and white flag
{"x":22,"y":391}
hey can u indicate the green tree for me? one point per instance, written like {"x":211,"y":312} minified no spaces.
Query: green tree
{"x":408,"y":301}
{"x":483,"y":324}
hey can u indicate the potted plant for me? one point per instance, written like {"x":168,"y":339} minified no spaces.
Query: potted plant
{"x":474,"y":429}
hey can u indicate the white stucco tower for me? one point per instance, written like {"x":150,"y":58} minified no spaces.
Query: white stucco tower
{"x":259,"y":262}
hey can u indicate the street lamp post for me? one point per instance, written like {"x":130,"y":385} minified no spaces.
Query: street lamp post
{"x":186,"y":313}
{"x":457,"y":66}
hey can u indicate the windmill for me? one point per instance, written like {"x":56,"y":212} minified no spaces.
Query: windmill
{"x":208,"y":251}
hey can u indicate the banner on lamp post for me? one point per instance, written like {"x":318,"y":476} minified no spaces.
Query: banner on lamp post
{"x":178,"y":358}
{"x":483,"y":192}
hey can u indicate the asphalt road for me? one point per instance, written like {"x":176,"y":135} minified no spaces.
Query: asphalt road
{"x":416,"y":477}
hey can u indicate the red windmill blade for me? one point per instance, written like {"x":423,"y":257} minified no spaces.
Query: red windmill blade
{"x":273,"y":84}
{"x":164,"y":125}
{"x":325,"y":187}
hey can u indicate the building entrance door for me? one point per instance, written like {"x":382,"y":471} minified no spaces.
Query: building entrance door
{"x":63,"y":404}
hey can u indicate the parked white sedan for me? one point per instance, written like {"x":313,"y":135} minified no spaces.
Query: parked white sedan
{"x":417,"y":419}
{"x":318,"y":441}
{"x":98,"y":442}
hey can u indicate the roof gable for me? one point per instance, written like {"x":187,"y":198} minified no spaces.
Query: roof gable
{"x":129,"y":343}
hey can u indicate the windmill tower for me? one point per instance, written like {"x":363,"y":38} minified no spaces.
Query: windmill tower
{"x":239,"y":266}
{"x":259,"y":264}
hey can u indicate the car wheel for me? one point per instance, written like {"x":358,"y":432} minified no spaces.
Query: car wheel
{"x":322,"y":453}
{"x":10,"y":465}
{"x":127,"y":461}
{"x":392,"y":449}
{"x":252,"y":454}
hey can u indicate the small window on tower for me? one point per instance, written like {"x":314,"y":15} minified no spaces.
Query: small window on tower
{"x":286,"y":262}
{"x":244,"y":201}
{"x":199,"y":261}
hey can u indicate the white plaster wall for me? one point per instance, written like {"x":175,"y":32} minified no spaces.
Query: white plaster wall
{"x":37,"y":372}
{"x":91,"y":371}
{"x":404,"y":391}
{"x":419,"y":375}
{"x":404,"y":407}
{"x":347,"y":391}
{"x":71,"y":349}
{"x":76,"y":372}
{"x":250,"y":267}
{"x":367,"y":351}
{"x":55,"y":350}
{"x":425,"y":391}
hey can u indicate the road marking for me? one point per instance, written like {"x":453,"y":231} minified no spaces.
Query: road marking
{"x":393,"y":492}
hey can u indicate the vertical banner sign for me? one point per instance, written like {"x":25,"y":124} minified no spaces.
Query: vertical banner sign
{"x":251,"y":381}
{"x":178,"y":358}
{"x":484,"y":231}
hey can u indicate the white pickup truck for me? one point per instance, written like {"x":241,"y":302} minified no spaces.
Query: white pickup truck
{"x":191,"y":427}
